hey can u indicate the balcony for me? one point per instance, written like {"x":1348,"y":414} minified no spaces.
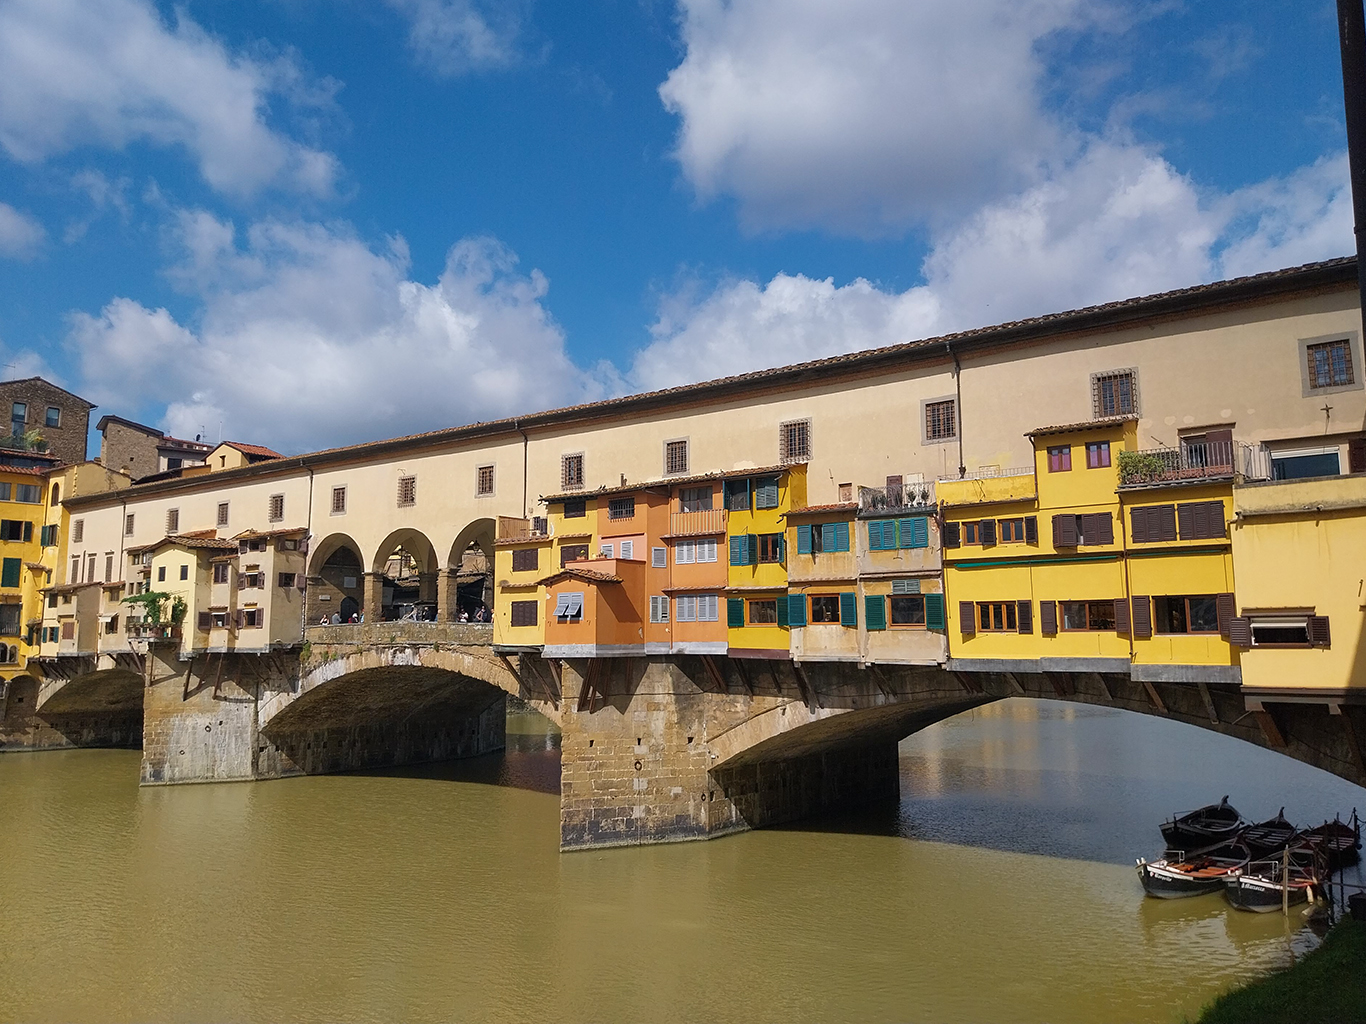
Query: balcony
{"x":708,"y":522}
{"x":148,"y":631}
{"x":913,"y":494}
{"x":511,"y":529}
{"x":1193,"y":463}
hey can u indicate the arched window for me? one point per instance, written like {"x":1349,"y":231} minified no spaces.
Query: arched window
{"x":56,"y":495}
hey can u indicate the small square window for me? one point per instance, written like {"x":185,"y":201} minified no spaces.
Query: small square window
{"x":794,"y":442}
{"x":941,"y":420}
{"x":276,"y":508}
{"x":1097,"y":454}
{"x":1330,"y":365}
{"x":222,"y":513}
{"x":407,"y":491}
{"x":1060,"y":459}
{"x":576,"y":509}
{"x":339,"y":501}
{"x":571,"y":472}
{"x":483,"y":481}
{"x":675,"y":457}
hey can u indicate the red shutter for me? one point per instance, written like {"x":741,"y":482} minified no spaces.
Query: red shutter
{"x":1031,"y":529}
{"x":1225,"y":609}
{"x":1064,"y":531}
{"x":1356,"y":455}
{"x":1142,"y":617}
{"x":1318,"y":631}
{"x":1122,"y":616}
{"x":1240,"y":631}
{"x":967,"y":618}
{"x":1048,"y":618}
{"x":1024,"y":615}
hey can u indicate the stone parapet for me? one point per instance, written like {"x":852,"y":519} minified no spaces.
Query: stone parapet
{"x":381,"y":634}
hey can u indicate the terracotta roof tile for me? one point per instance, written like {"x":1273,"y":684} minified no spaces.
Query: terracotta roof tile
{"x":668,"y":481}
{"x":254,"y":449}
{"x":587,"y":575}
{"x":1073,"y":428}
{"x":810,"y":510}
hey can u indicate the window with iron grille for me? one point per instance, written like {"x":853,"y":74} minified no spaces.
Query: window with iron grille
{"x":621,"y":508}
{"x":275,"y":508}
{"x":222,"y":513}
{"x":941,"y":420}
{"x":1114,"y":393}
{"x":339,"y":501}
{"x":794,"y":441}
{"x":675,"y":457}
{"x":78,"y":531}
{"x":407,"y":491}
{"x":1330,"y":364}
{"x":483,"y":484}
{"x":128,"y":525}
{"x":172,"y":521}
{"x":571,"y":471}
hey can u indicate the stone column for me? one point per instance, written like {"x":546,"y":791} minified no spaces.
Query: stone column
{"x":426,"y":586}
{"x":373,"y":605}
{"x":445,"y":596}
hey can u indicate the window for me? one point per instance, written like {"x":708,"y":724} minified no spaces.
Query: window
{"x":222,"y":513}
{"x":9,"y":619}
{"x":1298,"y":465}
{"x":572,"y":553}
{"x":766,"y":492}
{"x":18,"y":415}
{"x":184,"y":572}
{"x":846,"y":493}
{"x":1198,"y":614}
{"x":128,"y":525}
{"x":218,"y":620}
{"x":621,"y":508}
{"x":575,"y":509}
{"x":908,"y":610}
{"x":285,"y":580}
{"x":275,"y":508}
{"x":1069,"y":531}
{"x":659,"y":558}
{"x":1097,"y":454}
{"x":90,"y":568}
{"x":794,"y":442}
{"x":571,"y":472}
{"x":972,"y":533}
{"x":770,"y":547}
{"x":1022,"y":530}
{"x":77,"y":531}
{"x":526,"y":560}
{"x":997,"y":617}
{"x":1060,"y":459}
{"x":339,"y":501}
{"x":5,"y":491}
{"x":606,"y":550}
{"x":172,"y":462}
{"x":10,"y":569}
{"x":1088,"y":615}
{"x":686,"y":552}
{"x":628,"y":550}
{"x":29,"y":494}
{"x":1330,"y":364}
{"x":172,"y":521}
{"x":287,"y":544}
{"x":675,"y":457}
{"x":1201,"y":520}
{"x":407,"y":491}
{"x":1114,"y":393}
{"x":659,"y":608}
{"x":695,"y":499}
{"x":54,"y":417}
{"x":1153,"y":523}
{"x":161,"y":574}
{"x":569,"y":607}
{"x":483,"y":483}
{"x":697,"y":608}
{"x":825,"y":608}
{"x":250,"y":580}
{"x":941,"y":420}
{"x":822,"y":537}
{"x":16,"y":529}
{"x":220,"y":572}
{"x":1281,"y":631}
{"x":736,"y":495}
{"x":55,"y":496}
{"x":251,"y":544}
{"x":109,"y":567}
{"x":524,"y":613}
{"x":763,"y":612}
{"x":75,"y":569}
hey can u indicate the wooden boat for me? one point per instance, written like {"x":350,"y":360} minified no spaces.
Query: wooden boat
{"x":1259,"y":886}
{"x":1340,"y":843}
{"x":1268,"y":837}
{"x":1178,"y":875}
{"x":1206,"y":826}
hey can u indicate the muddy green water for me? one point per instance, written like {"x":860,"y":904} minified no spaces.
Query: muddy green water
{"x":999,"y":890}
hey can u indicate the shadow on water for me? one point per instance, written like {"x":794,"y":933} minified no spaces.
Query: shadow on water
{"x":530,"y":761}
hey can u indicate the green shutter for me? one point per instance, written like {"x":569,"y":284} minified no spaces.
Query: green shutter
{"x":796,"y":609}
{"x":781,"y":541}
{"x":737,"y":551}
{"x":934,"y":611}
{"x":841,"y":536}
{"x":766,"y":493}
{"x":752,"y":551}
{"x":915,"y":532}
{"x":874,"y":611}
{"x":782,"y":611}
{"x":849,"y":609}
{"x":28,"y":531}
{"x":735,"y":612}
{"x":827,"y":536}
{"x":804,"y":540}
{"x":9,"y":574}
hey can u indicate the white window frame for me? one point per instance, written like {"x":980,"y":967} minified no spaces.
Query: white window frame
{"x":659,"y":608}
{"x":659,"y":558}
{"x":706,"y":549}
{"x":685,"y":552}
{"x":606,"y":550}
{"x":628,"y":550}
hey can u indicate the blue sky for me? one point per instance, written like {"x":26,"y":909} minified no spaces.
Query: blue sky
{"x":311,"y":222}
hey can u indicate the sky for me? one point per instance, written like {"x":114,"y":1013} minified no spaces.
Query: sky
{"x":307,"y":223}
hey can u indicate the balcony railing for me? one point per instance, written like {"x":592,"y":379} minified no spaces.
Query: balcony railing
{"x":697,"y":524}
{"x":1202,"y":460}
{"x":988,"y":473}
{"x":510,"y":528}
{"x":908,"y":495}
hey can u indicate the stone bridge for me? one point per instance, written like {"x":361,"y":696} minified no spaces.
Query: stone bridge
{"x":654,"y":749}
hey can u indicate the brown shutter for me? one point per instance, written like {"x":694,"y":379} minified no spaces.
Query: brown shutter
{"x":950,"y":535}
{"x":1356,"y":455}
{"x":1048,"y":618}
{"x":1105,"y":528}
{"x":967,"y":618}
{"x":986,"y":530}
{"x":205,"y":621}
{"x":1225,"y":609}
{"x":1166,"y":522}
{"x":240,"y":618}
{"x":1064,"y":531}
{"x":1185,"y":519}
{"x":1240,"y":631}
{"x":1024,"y":615}
{"x":1138,"y":525}
{"x":1215,"y":525}
{"x":1318,"y":631}
{"x":1031,"y":529}
{"x":1122,"y":616}
{"x":1219,"y":448}
{"x":1142,"y":617}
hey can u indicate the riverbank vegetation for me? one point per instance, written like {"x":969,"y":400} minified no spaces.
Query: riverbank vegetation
{"x":1327,"y":985}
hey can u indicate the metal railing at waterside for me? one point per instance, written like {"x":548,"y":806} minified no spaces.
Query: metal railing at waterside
{"x":1203,"y":460}
{"x":697,"y":524}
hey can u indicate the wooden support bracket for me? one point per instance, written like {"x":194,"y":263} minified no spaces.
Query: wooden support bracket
{"x":808,"y":691}
{"x":1270,"y":728}
{"x":1015,"y":687}
{"x":1059,"y":685}
{"x":1209,"y":702}
{"x":1154,"y":697}
{"x":714,"y":671}
{"x":1353,"y":740}
{"x":884,"y":687}
{"x":1104,"y":687}
{"x":588,"y":691}
{"x":739,"y":664}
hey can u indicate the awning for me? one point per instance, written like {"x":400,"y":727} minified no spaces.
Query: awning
{"x":569,"y":604}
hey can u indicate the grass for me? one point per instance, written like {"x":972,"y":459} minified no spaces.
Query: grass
{"x":1327,"y":985}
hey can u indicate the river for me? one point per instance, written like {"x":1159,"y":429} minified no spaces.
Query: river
{"x":1000,"y":889}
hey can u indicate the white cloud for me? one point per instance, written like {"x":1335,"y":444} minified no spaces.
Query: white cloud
{"x":863,"y":116}
{"x":307,"y":338}
{"x":20,"y":234}
{"x":454,"y":37}
{"x":113,"y":73}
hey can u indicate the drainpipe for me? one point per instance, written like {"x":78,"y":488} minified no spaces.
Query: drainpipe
{"x":308,"y":538}
{"x":517,"y":423}
{"x":958,"y":405}
{"x":1128,"y":586}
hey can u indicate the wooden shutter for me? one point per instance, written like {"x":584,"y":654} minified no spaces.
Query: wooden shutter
{"x":28,"y":531}
{"x":205,"y":621}
{"x":9,"y":572}
{"x":875,"y":535}
{"x":1240,"y":631}
{"x":752,"y":549}
{"x":934,"y":612}
{"x":1165,"y":525}
{"x":1185,"y":520}
{"x":1138,"y":525}
{"x":1319,"y":635}
{"x":875,"y":611}
{"x":782,"y":610}
{"x":796,"y":609}
{"x":841,"y":536}
{"x":1142,"y":617}
{"x":804,"y":539}
{"x":1064,"y":531}
{"x":735,"y":612}
{"x":1024,"y":615}
{"x":951,"y":535}
{"x":1224,"y":610}
{"x":1048,"y":618}
{"x":1103,"y":528}
{"x":849,"y":609}
{"x":986,"y":530}
{"x":1031,"y":529}
{"x":967,"y":618}
{"x":1122,"y":626}
{"x":1356,"y":455}
{"x":737,"y":551}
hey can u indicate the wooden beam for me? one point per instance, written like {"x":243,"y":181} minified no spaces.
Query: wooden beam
{"x":1209,"y":701}
{"x":1059,"y":687}
{"x":808,"y":691}
{"x":714,"y":671}
{"x":1015,"y":686}
{"x":963,"y":682}
{"x":1104,"y":687}
{"x":883,"y":685}
{"x":1270,"y":728}
{"x":739,"y":664}
{"x":1353,"y":740}
{"x":1154,"y":697}
{"x":587,"y":691}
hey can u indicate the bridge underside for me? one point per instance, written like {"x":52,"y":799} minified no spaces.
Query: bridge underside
{"x":83,"y":706}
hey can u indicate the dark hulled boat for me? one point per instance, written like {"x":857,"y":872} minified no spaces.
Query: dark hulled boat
{"x":1268,"y":837}
{"x":1340,"y":843}
{"x":1178,"y":875}
{"x":1266,"y":885}
{"x":1207,"y":826}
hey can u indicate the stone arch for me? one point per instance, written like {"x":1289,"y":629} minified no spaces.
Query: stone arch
{"x":98,"y":692}
{"x":469,"y":591}
{"x":404,"y":573}
{"x":55,"y":498}
{"x":336,"y":577}
{"x":325,"y":549}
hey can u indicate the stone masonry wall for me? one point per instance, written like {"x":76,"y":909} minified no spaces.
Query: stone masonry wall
{"x":22,"y":729}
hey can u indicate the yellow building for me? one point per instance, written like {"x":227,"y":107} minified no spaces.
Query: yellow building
{"x":757,"y":502}
{"x":23,"y":501}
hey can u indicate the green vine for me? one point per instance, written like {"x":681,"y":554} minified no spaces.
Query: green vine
{"x":151,"y":603}
{"x":1140,"y":467}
